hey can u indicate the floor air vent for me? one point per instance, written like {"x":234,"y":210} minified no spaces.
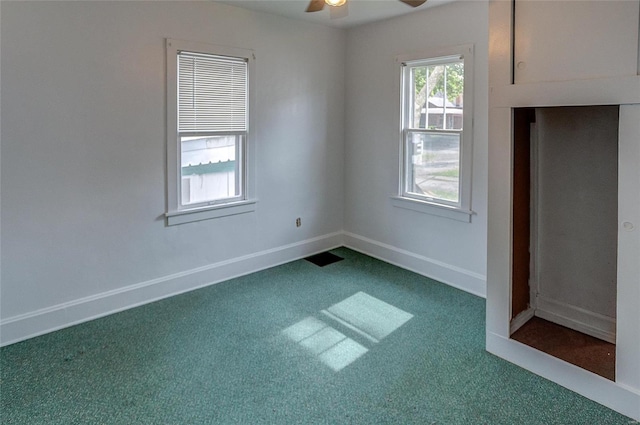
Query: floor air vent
{"x":324,"y":259}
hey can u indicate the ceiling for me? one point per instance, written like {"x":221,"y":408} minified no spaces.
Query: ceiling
{"x":359,"y":11}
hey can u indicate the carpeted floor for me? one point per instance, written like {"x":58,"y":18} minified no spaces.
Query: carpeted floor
{"x":356,"y":342}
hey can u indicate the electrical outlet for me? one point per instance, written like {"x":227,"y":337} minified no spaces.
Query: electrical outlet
{"x":298,"y":222}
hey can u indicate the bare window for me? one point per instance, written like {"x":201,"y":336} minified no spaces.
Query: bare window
{"x":436,"y":129}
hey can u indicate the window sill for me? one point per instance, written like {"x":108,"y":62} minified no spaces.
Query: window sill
{"x":209,"y":212}
{"x":439,"y":210}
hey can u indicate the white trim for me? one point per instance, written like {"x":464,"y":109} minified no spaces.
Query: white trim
{"x":39,"y":322}
{"x":213,"y":211}
{"x":534,"y":216}
{"x":621,"y":398}
{"x":425,"y":207}
{"x":576,"y":318}
{"x":628,"y":291}
{"x":522,"y":318}
{"x":451,"y":275}
{"x":595,"y":91}
{"x":24,"y":326}
{"x":435,"y":54}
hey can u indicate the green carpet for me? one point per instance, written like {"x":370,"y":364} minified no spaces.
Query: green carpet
{"x":356,"y":342}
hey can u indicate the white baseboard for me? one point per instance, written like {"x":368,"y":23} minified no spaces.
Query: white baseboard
{"x":25,"y":326}
{"x":39,"y":322}
{"x":620,"y":398}
{"x":576,"y":318}
{"x":457,"y":277}
{"x":522,"y":318}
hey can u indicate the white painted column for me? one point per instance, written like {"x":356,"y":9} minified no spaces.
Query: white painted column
{"x":628,"y":305}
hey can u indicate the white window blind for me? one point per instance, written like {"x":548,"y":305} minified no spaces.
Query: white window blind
{"x":212,"y":93}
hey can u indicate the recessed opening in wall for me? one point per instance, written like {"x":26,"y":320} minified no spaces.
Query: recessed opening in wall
{"x":564,"y":247}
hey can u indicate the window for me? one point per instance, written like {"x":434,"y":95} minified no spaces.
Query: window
{"x":208,"y":131}
{"x":436,"y":121}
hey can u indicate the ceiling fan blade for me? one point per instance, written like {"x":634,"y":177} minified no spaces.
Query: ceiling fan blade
{"x":337,"y":12}
{"x":315,"y":6}
{"x":413,"y":3}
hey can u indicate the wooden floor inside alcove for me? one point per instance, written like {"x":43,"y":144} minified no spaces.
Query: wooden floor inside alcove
{"x":582,"y":350}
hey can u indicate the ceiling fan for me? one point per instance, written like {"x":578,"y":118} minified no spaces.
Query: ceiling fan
{"x":318,"y":5}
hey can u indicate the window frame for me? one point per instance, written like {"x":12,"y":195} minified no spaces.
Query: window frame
{"x":460,"y":210}
{"x":176,"y":212}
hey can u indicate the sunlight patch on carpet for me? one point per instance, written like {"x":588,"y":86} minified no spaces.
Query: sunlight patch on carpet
{"x":367,"y":315}
{"x":332,"y":347}
{"x":361,"y":313}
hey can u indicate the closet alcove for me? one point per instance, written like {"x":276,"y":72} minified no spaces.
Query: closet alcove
{"x":563,"y":227}
{"x":565,"y":212}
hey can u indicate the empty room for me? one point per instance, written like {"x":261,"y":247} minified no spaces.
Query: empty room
{"x":360,"y":211}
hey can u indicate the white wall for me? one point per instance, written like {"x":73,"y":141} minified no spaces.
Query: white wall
{"x":83,"y":155}
{"x":448,"y":250}
{"x":576,"y":205}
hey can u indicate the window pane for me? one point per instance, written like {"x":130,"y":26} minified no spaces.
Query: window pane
{"x":454,"y":73}
{"x":209,"y":168}
{"x":437,"y":96}
{"x":433,"y":165}
{"x":419,"y":88}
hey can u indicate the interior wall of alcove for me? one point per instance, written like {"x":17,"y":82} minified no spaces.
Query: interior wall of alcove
{"x":520,"y":295}
{"x":565,"y":216}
